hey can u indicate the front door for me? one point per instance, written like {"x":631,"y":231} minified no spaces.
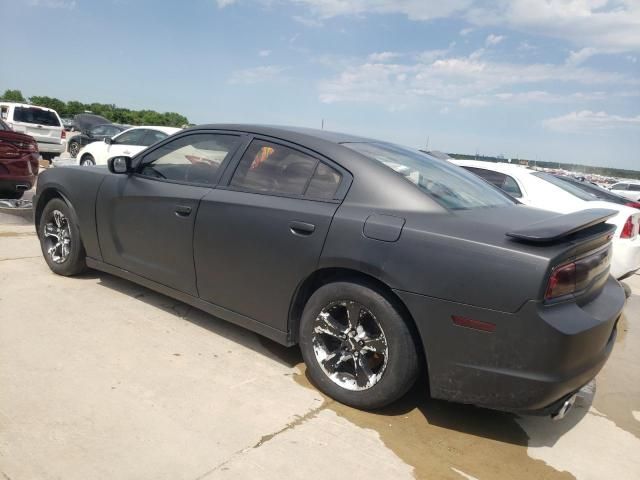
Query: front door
{"x":146,"y":220}
{"x":259,"y":237}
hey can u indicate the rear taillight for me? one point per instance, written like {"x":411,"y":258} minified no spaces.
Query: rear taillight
{"x":633,"y":204}
{"x":575,"y":276}
{"x":628,"y":231}
{"x":63,"y":134}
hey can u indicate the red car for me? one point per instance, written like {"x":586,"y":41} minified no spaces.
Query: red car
{"x":18,"y":162}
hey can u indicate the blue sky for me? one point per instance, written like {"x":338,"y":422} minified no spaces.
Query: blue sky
{"x":555,"y":80}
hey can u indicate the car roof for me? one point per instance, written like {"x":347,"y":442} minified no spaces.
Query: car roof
{"x":495,"y":166}
{"x":169,"y":130}
{"x":28,"y":105}
{"x":289,"y":132}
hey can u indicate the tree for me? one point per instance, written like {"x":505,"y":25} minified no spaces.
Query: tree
{"x":48,"y":102}
{"x":13,"y":96}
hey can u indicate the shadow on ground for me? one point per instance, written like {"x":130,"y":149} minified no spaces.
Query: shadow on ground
{"x":424,"y":432}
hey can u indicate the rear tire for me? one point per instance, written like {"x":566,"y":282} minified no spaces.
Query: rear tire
{"x":60,"y":240}
{"x":374,"y":366}
{"x":87,"y":160}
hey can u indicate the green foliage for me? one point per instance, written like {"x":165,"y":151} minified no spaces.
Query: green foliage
{"x":13,"y":96}
{"x":108,"y":111}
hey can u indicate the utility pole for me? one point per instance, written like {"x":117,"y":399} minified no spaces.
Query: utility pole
{"x":322,"y":125}
{"x":427,"y":143}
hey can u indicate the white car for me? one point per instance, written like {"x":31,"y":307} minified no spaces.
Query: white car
{"x":542,"y":190}
{"x":630,"y":190}
{"x":42,"y":123}
{"x":127,"y":143}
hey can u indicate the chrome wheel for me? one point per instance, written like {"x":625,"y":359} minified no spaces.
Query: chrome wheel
{"x":74,"y":148}
{"x":87,"y":161}
{"x":57,"y":237}
{"x":350,"y":345}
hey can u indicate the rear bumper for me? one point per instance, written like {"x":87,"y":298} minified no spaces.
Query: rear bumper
{"x":45,"y":147}
{"x":534,"y":357}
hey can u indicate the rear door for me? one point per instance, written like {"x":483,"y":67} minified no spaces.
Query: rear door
{"x":43,"y":125}
{"x":146,"y":220}
{"x":259,"y":236}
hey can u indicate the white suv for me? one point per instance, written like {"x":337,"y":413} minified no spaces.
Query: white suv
{"x":43,"y":124}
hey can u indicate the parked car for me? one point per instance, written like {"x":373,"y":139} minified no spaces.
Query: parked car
{"x":543,"y":190}
{"x":628,"y":189}
{"x":18,"y":162}
{"x":129,"y":142}
{"x":599,"y":192}
{"x":43,"y":124}
{"x":67,"y":123}
{"x":384,"y":264}
{"x":97,"y":133}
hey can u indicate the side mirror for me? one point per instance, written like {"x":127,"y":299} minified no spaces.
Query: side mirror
{"x":108,"y":140}
{"x":119,"y":165}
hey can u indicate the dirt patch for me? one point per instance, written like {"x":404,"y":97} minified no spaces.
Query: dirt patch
{"x":440,"y":438}
{"x":17,"y":234}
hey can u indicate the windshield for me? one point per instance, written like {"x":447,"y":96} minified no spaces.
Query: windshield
{"x":566,"y":186}
{"x":451,"y":186}
{"x":37,"y":116}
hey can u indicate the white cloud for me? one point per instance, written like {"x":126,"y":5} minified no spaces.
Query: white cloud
{"x":383,"y":57}
{"x":586,"y":121}
{"x":250,"y":76}
{"x":264,"y":53}
{"x":466,"y":81}
{"x":582,"y":55}
{"x":612,"y":25}
{"x":492,"y":40}
{"x":414,"y":9}
{"x":65,"y":4}
{"x":308,"y":21}
{"x":466,"y":31}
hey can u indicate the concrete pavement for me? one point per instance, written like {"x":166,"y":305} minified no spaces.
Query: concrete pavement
{"x":101,"y":378}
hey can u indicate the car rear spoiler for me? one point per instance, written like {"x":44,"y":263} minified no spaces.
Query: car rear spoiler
{"x":561,"y":226}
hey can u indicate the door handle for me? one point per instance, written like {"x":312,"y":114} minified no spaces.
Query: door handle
{"x":302,"y":228}
{"x":183,"y":210}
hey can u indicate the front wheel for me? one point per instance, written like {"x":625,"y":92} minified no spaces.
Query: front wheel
{"x":74,"y":148}
{"x":357,"y":346}
{"x":87,"y":160}
{"x":60,"y":239}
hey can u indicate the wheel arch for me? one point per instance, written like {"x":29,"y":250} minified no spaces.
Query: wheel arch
{"x":324,"y":276}
{"x":45,"y":197}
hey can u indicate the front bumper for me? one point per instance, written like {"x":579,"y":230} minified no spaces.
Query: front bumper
{"x":534,"y":357}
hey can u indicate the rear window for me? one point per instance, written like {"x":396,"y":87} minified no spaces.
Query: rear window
{"x":36,"y":116}
{"x":451,"y":186}
{"x":566,"y":186}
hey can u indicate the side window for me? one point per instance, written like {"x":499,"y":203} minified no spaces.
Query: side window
{"x":99,"y":130}
{"x":620,"y":186}
{"x":271,"y":168}
{"x":195,"y":158}
{"x":153,"y":136}
{"x":4,"y":113}
{"x":634,"y":188}
{"x":494,"y":178}
{"x":324,"y":183}
{"x":511,"y":187}
{"x":132,"y":137}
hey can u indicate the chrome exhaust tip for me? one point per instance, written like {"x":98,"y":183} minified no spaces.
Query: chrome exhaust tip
{"x":564,"y":409}
{"x":22,"y":187}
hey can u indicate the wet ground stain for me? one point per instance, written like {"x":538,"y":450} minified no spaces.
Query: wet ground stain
{"x":436,"y":437}
{"x":618,"y":384}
